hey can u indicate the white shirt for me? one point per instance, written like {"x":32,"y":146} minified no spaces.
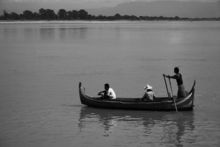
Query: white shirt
{"x":151,"y":95}
{"x":111,"y":93}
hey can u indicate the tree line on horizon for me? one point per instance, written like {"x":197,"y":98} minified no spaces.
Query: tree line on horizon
{"x":62,"y":14}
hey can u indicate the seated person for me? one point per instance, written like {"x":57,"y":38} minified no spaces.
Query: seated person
{"x":108,"y":93}
{"x":148,"y":93}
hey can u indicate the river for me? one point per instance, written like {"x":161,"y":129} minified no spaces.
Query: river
{"x":42,"y":63}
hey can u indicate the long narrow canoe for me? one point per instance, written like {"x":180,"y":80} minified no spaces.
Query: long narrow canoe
{"x":159,"y":104}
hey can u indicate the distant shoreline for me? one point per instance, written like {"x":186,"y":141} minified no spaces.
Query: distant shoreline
{"x":82,"y":15}
{"x":94,"y":21}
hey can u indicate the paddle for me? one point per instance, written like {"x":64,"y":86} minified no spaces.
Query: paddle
{"x":172,"y":95}
{"x":166,"y":85}
{"x":168,"y":91}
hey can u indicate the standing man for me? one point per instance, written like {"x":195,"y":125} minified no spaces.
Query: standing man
{"x":178,"y":76}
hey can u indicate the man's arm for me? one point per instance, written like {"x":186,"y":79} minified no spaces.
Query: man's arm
{"x":101,"y":93}
{"x":172,"y":77}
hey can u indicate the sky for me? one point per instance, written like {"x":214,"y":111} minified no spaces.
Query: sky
{"x":20,"y":5}
{"x":87,"y":3}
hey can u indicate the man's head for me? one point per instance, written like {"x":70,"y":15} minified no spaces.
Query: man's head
{"x":176,"y":70}
{"x":107,"y":86}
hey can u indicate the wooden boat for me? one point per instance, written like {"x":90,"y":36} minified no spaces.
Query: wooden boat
{"x":159,"y":104}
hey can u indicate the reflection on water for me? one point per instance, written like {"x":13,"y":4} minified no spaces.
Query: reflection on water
{"x":47,"y":33}
{"x":44,"y":33}
{"x":8,"y":33}
{"x":72,"y":33}
{"x":28,"y":32}
{"x":62,"y":33}
{"x":169,"y":127}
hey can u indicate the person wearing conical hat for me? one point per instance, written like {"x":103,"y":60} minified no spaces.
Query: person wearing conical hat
{"x":148,"y":93}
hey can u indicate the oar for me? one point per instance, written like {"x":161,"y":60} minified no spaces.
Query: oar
{"x":171,"y":89}
{"x":172,"y":95}
{"x":166,"y":85}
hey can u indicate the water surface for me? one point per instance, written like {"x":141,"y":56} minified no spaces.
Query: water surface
{"x":42,"y":63}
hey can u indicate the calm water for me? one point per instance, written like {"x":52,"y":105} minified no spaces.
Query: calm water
{"x":42,"y":63}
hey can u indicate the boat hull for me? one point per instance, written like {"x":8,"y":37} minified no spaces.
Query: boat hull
{"x":159,"y":104}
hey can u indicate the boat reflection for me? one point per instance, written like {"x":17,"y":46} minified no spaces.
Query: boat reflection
{"x":168,"y":127}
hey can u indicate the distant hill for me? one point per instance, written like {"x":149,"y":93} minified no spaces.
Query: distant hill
{"x":163,"y":8}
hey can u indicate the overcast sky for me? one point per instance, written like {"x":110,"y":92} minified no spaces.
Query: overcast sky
{"x":96,"y":2}
{"x":19,"y":5}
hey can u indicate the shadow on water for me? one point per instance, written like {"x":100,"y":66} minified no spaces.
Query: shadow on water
{"x":71,"y":105}
{"x":175,"y":125}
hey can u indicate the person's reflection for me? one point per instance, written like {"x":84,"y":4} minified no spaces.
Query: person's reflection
{"x":174,"y":126}
{"x":109,"y":125}
{"x":47,"y":34}
{"x":105,"y":117}
{"x":184,"y":123}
